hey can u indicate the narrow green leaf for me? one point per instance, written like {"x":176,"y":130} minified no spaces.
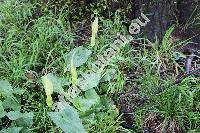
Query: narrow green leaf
{"x":166,"y":37}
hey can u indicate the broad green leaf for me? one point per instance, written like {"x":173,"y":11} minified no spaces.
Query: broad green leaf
{"x":25,"y":121}
{"x":2,"y":112}
{"x":89,"y":81}
{"x":54,"y":82}
{"x":108,"y":75}
{"x":14,"y":115}
{"x":11,"y":103}
{"x":64,"y":81}
{"x":11,"y":130}
{"x":61,"y":104}
{"x":18,"y":91}
{"x":94,"y":31}
{"x":51,"y":84}
{"x":5,"y":88}
{"x":72,"y":92}
{"x":68,"y":120}
{"x":85,"y":103}
{"x":79,"y":56}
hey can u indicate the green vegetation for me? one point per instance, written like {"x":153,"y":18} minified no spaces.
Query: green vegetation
{"x":41,"y":60}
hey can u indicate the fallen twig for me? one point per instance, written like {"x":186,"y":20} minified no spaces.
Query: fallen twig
{"x":197,"y":70}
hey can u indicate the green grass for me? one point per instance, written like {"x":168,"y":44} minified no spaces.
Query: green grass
{"x":33,"y":41}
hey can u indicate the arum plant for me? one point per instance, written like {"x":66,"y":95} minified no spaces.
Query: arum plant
{"x":94,"y":31}
{"x":73,"y":72}
{"x":48,"y":85}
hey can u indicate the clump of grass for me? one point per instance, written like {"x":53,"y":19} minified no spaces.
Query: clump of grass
{"x":176,"y":105}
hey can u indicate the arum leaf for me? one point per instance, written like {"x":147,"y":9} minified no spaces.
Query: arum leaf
{"x":54,"y":83}
{"x":60,"y":105}
{"x":79,"y":56}
{"x":108,"y":75}
{"x":14,"y":115}
{"x":20,"y":117}
{"x":89,"y":81}
{"x":2,"y":112}
{"x":94,"y":31}
{"x":5,"y":88}
{"x":68,"y":120}
{"x":85,"y":103}
{"x":11,"y":103}
{"x":18,"y":91}
{"x":26,"y":120}
{"x":11,"y":130}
